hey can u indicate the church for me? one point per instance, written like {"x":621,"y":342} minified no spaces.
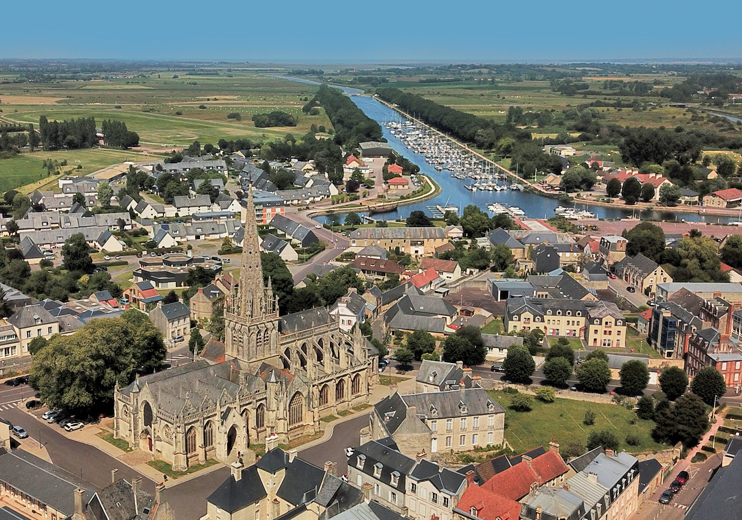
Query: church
{"x":280,"y":375}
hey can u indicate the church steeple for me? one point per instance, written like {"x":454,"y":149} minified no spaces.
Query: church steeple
{"x":251,"y":271}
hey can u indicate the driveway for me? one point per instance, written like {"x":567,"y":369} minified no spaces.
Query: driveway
{"x":619,"y":286}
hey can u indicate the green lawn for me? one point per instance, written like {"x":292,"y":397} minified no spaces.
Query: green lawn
{"x":119,"y":443}
{"x":575,"y":343}
{"x":167,"y":469}
{"x":562,"y":422}
{"x":639,"y":344}
{"x":388,"y":380}
{"x":493,"y":327}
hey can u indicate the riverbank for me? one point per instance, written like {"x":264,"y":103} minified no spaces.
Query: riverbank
{"x":578,"y":198}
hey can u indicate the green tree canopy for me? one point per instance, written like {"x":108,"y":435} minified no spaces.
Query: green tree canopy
{"x":518,"y":365}
{"x":684,"y":421}
{"x":647,"y":192}
{"x":418,"y":219}
{"x":730,"y":254}
{"x":634,"y":377}
{"x":404,"y":356}
{"x":594,"y":375}
{"x":196,"y":341}
{"x":420,"y":342}
{"x":673,"y":382}
{"x":597,"y":354}
{"x":76,"y":254}
{"x":631,"y":190}
{"x":352,"y":219}
{"x":501,"y":257}
{"x":645,"y":238}
{"x":105,"y":192}
{"x":670,"y":194}
{"x":645,"y":407}
{"x":613,"y":188}
{"x":604,"y":438}
{"x":465,"y":345}
{"x":474,"y":221}
{"x":557,"y":371}
{"x":708,"y":383}
{"x":562,"y":350}
{"x":37,"y":344}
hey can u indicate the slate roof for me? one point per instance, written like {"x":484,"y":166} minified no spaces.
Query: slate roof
{"x":175,"y":311}
{"x":611,"y":469}
{"x":501,"y":236}
{"x":182,"y":201}
{"x":443,"y":479}
{"x":9,"y":514}
{"x":118,"y":502}
{"x":639,"y":263}
{"x":353,"y":301}
{"x":392,"y":295}
{"x":27,"y":317}
{"x":561,"y":286}
{"x":439,"y":373}
{"x":272,"y":244}
{"x":378,"y":454}
{"x":500,"y":341}
{"x":28,"y":249}
{"x":305,"y":320}
{"x":301,"y":482}
{"x":555,"y":503}
{"x":648,"y":469}
{"x":47,"y":483}
{"x":580,"y":463}
{"x":373,"y":251}
{"x":284,"y":224}
{"x":398,"y":233}
{"x":233,"y":495}
{"x":415,"y":312}
{"x":721,"y":498}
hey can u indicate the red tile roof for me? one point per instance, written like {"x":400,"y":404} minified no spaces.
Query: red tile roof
{"x":647,"y":315}
{"x":513,"y":483}
{"x":423,"y":279}
{"x":488,"y":505}
{"x":394,"y":168}
{"x":730,"y":194}
{"x":377,"y":265}
{"x":448,"y":246}
{"x":442,"y":266}
{"x":594,"y":247}
{"x":353,"y":158}
{"x":548,"y":466}
{"x":398,"y":181}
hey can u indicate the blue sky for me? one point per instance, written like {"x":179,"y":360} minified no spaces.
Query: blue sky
{"x":318,"y":31}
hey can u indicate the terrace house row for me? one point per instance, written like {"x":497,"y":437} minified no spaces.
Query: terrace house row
{"x":415,"y":241}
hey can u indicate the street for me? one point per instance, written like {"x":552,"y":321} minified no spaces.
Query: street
{"x":619,"y":286}
{"x":344,"y":435}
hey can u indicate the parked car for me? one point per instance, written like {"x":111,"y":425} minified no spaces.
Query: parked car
{"x":19,"y":432}
{"x":124,"y":300}
{"x":23,"y":380}
{"x":666,"y":497}
{"x":611,"y":276}
{"x":675,"y":486}
{"x":178,"y":339}
{"x":651,"y":303}
{"x":683,"y":477}
{"x":226,"y":260}
{"x":12,"y":382}
{"x":73,"y":425}
{"x":52,"y":416}
{"x":59,"y":418}
{"x":48,"y":413}
{"x":118,"y":257}
{"x":631,"y":289}
{"x":496,"y":368}
{"x":33,"y":403}
{"x":64,"y":422}
{"x":106,"y":257}
{"x":349,"y":451}
{"x":318,"y":226}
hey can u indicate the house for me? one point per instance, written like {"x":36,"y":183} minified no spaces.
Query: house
{"x":267,"y":206}
{"x":30,"y":251}
{"x":498,"y":345}
{"x":688,"y":197}
{"x":164,"y":240}
{"x":373,"y":300}
{"x":427,"y":280}
{"x":398,"y":183}
{"x":545,"y":258}
{"x":394,"y":169}
{"x":377,"y":268}
{"x":127,"y":203}
{"x":173,"y":320}
{"x":31,"y":322}
{"x":349,"y":309}
{"x":127,"y":500}
{"x":650,"y":477}
{"x":728,"y":198}
{"x":46,"y":490}
{"x":10,"y":344}
{"x":449,"y":270}
{"x":516,"y":481}
{"x":150,"y":211}
{"x":612,"y":249}
{"x":478,"y":503}
{"x":656,"y":180}
{"x":454,"y":420}
{"x":202,"y":303}
{"x":705,"y":290}
{"x":414,"y":312}
{"x":216,"y":183}
{"x":504,"y":288}
{"x":673,"y":323}
{"x":108,"y":243}
{"x":299,"y":234}
{"x":142,"y":294}
{"x":281,"y":485}
{"x":105,"y":298}
{"x":559,"y":286}
{"x":643,"y":273}
{"x":643,"y":320}
{"x":273,"y":244}
{"x":415,"y":241}
{"x":595,"y":276}
{"x":439,"y":376}
{"x":448,"y":246}
{"x":188,"y":206}
{"x":373,"y":251}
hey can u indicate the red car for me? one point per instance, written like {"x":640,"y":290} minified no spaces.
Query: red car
{"x":682,"y":477}
{"x":611,"y":276}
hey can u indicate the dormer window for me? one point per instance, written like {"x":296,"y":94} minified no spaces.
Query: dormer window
{"x":569,"y":313}
{"x":433,"y":411}
{"x":395,"y":478}
{"x":618,"y":322}
{"x":538,"y":319}
{"x":473,"y":511}
{"x":462,"y":407}
{"x":548,"y":312}
{"x":559,"y":313}
{"x":360,"y":461}
{"x":578,"y":313}
{"x":432,"y":376}
{"x":377,"y":469}
{"x":597,"y":322}
{"x":515,"y":318}
{"x":490,"y":406}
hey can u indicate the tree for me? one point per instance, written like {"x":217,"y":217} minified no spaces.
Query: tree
{"x":502,"y":220}
{"x":170,"y":297}
{"x":12,"y":227}
{"x":730,"y":254}
{"x":352,"y":186}
{"x":474,"y":221}
{"x":613,"y":188}
{"x":420,"y":342}
{"x":105,"y":192}
{"x":335,"y":284}
{"x":196,"y":342}
{"x":578,"y":178}
{"x":670,"y":194}
{"x":546,"y":394}
{"x":594,"y":375}
{"x":673,"y":382}
{"x":631,"y":190}
{"x":148,"y":349}
{"x":465,"y":345}
{"x":709,"y":385}
{"x":588,"y":418}
{"x":684,"y":421}
{"x":79,"y":198}
{"x":282,"y":282}
{"x":557,"y":371}
{"x":695,"y":260}
{"x":451,"y":218}
{"x":647,"y":192}
{"x":604,"y":438}
{"x":561,"y":349}
{"x":501,"y":257}
{"x":418,"y":219}
{"x":518,"y":365}
{"x":37,"y":344}
{"x":645,"y":407}
{"x":206,"y":188}
{"x":634,"y":377}
{"x":76,"y":254}
{"x":478,"y":259}
{"x":521,"y":403}
{"x":352,"y":219}
{"x":645,"y":238}
{"x":404,"y":356}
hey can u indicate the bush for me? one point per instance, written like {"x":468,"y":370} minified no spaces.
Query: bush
{"x":699,"y":457}
{"x":589,"y":418}
{"x":633,"y":440}
{"x":511,"y":390}
{"x":546,"y":394}
{"x":645,"y":407}
{"x":235,"y":115}
{"x":522,"y":403}
{"x":605,"y":438}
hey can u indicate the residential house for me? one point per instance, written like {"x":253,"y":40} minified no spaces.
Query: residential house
{"x":427,"y":280}
{"x":449,"y":270}
{"x":415,"y":241}
{"x":545,"y":258}
{"x":184,"y":166}
{"x":149,"y":210}
{"x":109,"y":243}
{"x":163,"y":239}
{"x":414,"y":312}
{"x":105,"y":298}
{"x":478,"y":503}
{"x":31,"y":322}
{"x":727,"y":291}
{"x":30,"y":251}
{"x":373,"y":300}
{"x":188,"y":206}
{"x":651,"y":476}
{"x":278,"y":246}
{"x":225,"y":203}
{"x":656,"y":180}
{"x":349,"y":309}
{"x":595,"y":276}
{"x":10,"y":343}
{"x":454,"y":232}
{"x":173,"y":320}
{"x":505,"y":288}
{"x":127,"y":203}
{"x":433,"y":491}
{"x":141,"y":295}
{"x":497,"y":345}
{"x":299,"y":234}
{"x":202,"y":303}
{"x":688,"y":197}
{"x":643,"y":320}
{"x":643,"y":273}
{"x":439,"y":376}
{"x":128,"y":501}
{"x":373,"y":251}
{"x":673,"y":322}
{"x":612,"y":249}
{"x":377,"y":268}
{"x":455,"y":420}
{"x":448,"y":246}
{"x":728,"y":198}
{"x":216,"y":183}
{"x":398,"y":183}
{"x":559,"y":286}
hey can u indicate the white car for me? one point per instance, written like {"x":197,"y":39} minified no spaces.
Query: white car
{"x":106,"y":257}
{"x":318,"y":226}
{"x":72,"y":426}
{"x":349,"y":452}
{"x":48,"y":414}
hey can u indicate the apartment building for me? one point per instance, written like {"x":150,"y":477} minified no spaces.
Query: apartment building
{"x":415,"y":241}
{"x":642,"y":272}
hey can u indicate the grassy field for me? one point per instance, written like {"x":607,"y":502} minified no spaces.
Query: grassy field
{"x":575,"y":343}
{"x":562,"y":422}
{"x":493,"y":327}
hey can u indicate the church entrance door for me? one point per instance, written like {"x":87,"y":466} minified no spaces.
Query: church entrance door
{"x":231,"y":439}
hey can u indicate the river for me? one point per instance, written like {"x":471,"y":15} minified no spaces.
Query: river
{"x":453,"y":191}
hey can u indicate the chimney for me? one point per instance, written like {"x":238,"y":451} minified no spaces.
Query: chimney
{"x":352,"y":290}
{"x":462,"y":388}
{"x":411,"y":411}
{"x":160,"y":493}
{"x":276,"y":508}
{"x":392,"y":389}
{"x":292,"y":454}
{"x":539,"y":511}
{"x":467,"y":371}
{"x":470,"y":478}
{"x":200,"y":291}
{"x":554,"y":446}
{"x":236,"y":469}
{"x":592,"y":477}
{"x":113,"y":475}
{"x":271,"y":442}
{"x":78,"y":515}
{"x":420,"y":455}
{"x":459,"y":364}
{"x":366,"y":492}
{"x":527,"y":460}
{"x":609,"y":453}
{"x":330,"y":468}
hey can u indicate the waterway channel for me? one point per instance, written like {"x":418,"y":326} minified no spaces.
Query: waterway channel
{"x":453,"y":192}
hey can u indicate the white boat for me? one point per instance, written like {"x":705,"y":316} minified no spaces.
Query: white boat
{"x":516,"y":212}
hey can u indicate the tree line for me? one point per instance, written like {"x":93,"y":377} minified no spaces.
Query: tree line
{"x":274,"y":118}
{"x":75,"y":133}
{"x":118,"y":136}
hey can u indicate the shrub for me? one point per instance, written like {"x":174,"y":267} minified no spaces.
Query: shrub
{"x":546,"y":394}
{"x":605,"y":438}
{"x":511,"y":390}
{"x":699,"y":457}
{"x":633,"y":439}
{"x":235,"y":115}
{"x":202,"y":107}
{"x":573,"y":449}
{"x":589,"y":418}
{"x":522,"y":403}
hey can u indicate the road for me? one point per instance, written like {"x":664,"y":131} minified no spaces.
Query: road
{"x":336,"y":244}
{"x":10,"y":396}
{"x":333,"y":449}
{"x":619,"y":286}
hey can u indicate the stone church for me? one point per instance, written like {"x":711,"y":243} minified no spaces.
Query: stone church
{"x":279,"y":376}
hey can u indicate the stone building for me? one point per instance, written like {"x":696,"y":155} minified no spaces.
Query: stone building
{"x":279,"y":377}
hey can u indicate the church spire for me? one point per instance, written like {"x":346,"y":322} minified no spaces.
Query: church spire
{"x":252,"y":291}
